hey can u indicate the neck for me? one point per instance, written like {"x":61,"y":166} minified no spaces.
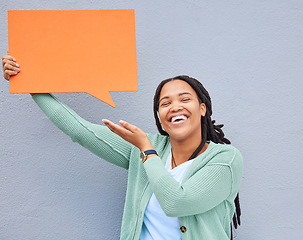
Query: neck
{"x":182,"y":150}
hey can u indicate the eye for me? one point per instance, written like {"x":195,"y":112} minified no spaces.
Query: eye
{"x":185,"y":99}
{"x":164,"y":104}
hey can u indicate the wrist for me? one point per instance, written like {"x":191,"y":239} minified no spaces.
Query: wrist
{"x":144,"y":155}
{"x":146,"y":146}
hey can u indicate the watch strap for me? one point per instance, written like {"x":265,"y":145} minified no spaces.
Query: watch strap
{"x":143,"y":155}
{"x":148,"y":152}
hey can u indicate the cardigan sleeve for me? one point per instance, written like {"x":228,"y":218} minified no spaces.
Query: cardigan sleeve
{"x":96,"y":138}
{"x":208,"y":187}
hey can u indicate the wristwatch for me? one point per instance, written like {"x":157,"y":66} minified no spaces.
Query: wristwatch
{"x":143,"y":155}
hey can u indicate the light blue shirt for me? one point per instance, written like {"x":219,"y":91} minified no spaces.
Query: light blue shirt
{"x":156,"y":225}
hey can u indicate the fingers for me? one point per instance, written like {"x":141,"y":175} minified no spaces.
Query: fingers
{"x":128,"y":126}
{"x":108,"y":124}
{"x":121,"y":131}
{"x":130,"y":133}
{"x":7,"y":58}
{"x":10,"y":67}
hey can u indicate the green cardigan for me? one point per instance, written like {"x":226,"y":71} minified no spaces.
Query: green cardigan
{"x":203,"y":202}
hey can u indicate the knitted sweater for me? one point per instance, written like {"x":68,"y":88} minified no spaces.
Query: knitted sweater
{"x":203,"y":202}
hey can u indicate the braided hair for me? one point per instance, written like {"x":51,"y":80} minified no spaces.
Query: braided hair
{"x":210,"y":131}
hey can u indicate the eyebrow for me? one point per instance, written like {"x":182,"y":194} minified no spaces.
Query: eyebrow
{"x":180,"y":94}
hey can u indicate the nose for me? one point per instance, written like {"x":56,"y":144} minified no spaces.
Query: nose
{"x":176,"y":106}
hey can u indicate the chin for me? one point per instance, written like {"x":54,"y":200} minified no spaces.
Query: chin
{"x":179,"y":136}
{"x":183,"y":133}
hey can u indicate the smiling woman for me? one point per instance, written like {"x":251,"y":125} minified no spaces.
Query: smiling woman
{"x":180,"y":114}
{"x":186,"y":183}
{"x":178,"y":96}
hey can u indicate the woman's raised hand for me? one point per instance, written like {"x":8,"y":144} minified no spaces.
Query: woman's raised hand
{"x":130,"y":133}
{"x":9,"y":66}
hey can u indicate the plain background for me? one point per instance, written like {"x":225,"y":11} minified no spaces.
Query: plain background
{"x":248,"y":54}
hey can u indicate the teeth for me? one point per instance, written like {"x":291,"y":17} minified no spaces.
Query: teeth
{"x":180,"y":117}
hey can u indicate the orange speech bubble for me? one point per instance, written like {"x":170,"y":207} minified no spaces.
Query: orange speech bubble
{"x":91,"y":51}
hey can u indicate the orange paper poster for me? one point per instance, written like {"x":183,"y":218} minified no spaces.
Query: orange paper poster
{"x":91,"y":51}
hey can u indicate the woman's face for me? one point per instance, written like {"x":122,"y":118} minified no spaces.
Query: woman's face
{"x":180,"y":111}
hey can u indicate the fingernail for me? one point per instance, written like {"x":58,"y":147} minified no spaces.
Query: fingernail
{"x":121,"y":122}
{"x":17,"y":64}
{"x":14,"y":59}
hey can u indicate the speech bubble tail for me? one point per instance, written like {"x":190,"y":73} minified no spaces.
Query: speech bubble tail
{"x":104,"y":96}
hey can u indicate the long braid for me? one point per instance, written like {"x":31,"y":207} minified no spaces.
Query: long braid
{"x":210,"y":131}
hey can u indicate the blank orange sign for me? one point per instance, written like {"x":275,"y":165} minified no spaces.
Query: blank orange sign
{"x":91,"y":51}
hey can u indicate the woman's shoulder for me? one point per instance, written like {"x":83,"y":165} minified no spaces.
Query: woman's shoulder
{"x":225,"y":154}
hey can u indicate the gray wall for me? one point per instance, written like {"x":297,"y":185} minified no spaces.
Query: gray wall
{"x":248,"y":54}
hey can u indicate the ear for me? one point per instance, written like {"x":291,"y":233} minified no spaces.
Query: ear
{"x":202,"y":109}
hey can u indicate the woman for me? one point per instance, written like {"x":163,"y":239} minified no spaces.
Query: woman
{"x":186,"y":183}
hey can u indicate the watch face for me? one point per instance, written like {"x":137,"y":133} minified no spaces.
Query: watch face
{"x":142,"y":156}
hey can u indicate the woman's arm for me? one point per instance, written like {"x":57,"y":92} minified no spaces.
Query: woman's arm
{"x":207,"y":188}
{"x":96,"y":138}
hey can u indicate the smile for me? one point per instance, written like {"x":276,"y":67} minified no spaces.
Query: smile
{"x":178,"y":119}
